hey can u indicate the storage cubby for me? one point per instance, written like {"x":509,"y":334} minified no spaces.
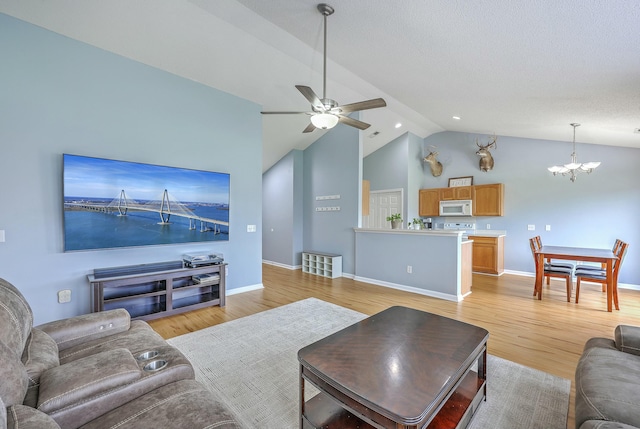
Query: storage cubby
{"x":150,"y":291}
{"x":322,"y":264}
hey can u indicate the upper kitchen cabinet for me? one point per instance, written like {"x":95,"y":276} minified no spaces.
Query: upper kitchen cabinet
{"x":488,"y":200}
{"x":429,"y":202}
{"x":456,"y":193}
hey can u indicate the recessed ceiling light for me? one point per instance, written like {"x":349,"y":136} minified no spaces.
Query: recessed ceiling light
{"x":457,"y":118}
{"x":398,"y":125}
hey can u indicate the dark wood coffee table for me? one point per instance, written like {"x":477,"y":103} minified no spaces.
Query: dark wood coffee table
{"x":400,"y":368}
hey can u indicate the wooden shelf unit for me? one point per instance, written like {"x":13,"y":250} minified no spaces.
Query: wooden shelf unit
{"x":322,"y":264}
{"x":150,"y":291}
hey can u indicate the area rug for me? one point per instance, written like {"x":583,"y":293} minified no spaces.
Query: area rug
{"x":251,"y":365}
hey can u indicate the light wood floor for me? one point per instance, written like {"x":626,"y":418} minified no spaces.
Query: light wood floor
{"x":547,"y":335}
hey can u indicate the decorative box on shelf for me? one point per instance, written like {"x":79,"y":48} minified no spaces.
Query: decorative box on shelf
{"x":322,"y":264}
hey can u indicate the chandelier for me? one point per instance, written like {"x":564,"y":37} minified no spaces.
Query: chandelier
{"x":574,"y":166}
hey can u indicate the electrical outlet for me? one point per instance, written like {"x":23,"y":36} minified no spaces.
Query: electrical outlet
{"x":488,"y":226}
{"x":1,"y":235}
{"x":251,"y":228}
{"x":409,"y":269}
{"x":531,"y":227}
{"x":64,"y":296}
{"x":547,"y":228}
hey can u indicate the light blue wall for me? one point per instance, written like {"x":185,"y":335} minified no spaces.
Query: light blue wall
{"x":331,"y":167}
{"x":62,"y":96}
{"x":282,"y":219}
{"x":591,"y":212}
{"x":398,"y":164}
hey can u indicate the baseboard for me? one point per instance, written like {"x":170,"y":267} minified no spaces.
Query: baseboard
{"x":278,"y":264}
{"x":412,"y":289}
{"x":528,"y":274}
{"x":244,"y":289}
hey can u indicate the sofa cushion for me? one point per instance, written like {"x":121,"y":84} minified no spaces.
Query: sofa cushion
{"x":40,"y":354}
{"x":16,"y":317}
{"x":13,"y":377}
{"x":184,"y":404}
{"x":607,"y":387}
{"x":24,"y":417}
{"x":73,"y":383}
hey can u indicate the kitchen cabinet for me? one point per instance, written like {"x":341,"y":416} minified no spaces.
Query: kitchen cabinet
{"x":456,"y":193}
{"x":488,"y":200}
{"x":429,"y":202}
{"x":488,"y":254}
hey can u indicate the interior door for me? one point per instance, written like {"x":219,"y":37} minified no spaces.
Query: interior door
{"x":382,"y":204}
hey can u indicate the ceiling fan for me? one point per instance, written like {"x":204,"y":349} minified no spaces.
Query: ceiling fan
{"x":326,"y":113}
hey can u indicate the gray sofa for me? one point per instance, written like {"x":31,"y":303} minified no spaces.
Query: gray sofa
{"x":99,"y":370}
{"x":608,"y":382}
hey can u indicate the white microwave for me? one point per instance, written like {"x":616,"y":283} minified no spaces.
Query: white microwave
{"x":456,"y":208}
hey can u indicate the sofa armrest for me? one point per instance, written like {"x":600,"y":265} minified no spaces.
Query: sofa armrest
{"x":628,"y":339}
{"x":24,"y":417}
{"x":80,"y":329}
{"x":602,"y":424}
{"x":73,"y":383}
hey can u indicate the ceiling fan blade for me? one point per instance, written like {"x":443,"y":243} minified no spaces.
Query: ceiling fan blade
{"x":353,"y":122}
{"x":309,"y":128}
{"x":311,"y":97}
{"x":362,"y":105}
{"x":287,"y":113}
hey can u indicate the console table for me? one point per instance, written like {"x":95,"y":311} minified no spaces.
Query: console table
{"x":150,"y":291}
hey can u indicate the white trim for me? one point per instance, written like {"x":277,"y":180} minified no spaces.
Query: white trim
{"x":528,"y":274}
{"x":278,"y":264}
{"x":405,"y":288}
{"x":244,"y":289}
{"x":349,"y":276}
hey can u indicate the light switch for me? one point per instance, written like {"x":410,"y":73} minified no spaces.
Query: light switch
{"x":548,"y":228}
{"x":1,"y":235}
{"x":531,"y":227}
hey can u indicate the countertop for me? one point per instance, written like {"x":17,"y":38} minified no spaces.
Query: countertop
{"x":477,"y":232}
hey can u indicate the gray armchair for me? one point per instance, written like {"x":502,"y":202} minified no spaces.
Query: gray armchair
{"x":608,"y":382}
{"x":94,"y":368}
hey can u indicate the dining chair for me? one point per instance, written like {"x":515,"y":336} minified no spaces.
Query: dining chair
{"x":553,"y":264}
{"x":551,"y":270}
{"x":601,"y":267}
{"x":601,"y":276}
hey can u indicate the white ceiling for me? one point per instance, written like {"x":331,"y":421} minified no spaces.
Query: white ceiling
{"x":524,"y":68}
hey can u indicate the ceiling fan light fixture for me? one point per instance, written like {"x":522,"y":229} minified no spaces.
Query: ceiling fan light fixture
{"x":324,"y":121}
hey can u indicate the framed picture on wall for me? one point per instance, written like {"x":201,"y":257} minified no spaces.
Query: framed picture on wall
{"x":454,"y":182}
{"x":111,"y":204}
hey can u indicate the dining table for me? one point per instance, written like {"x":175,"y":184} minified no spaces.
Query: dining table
{"x":603,"y":256}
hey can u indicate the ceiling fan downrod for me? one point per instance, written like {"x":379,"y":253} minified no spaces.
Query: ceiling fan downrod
{"x":325,"y":10}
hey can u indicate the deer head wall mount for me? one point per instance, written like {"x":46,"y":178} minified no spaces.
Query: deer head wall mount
{"x":434,"y":164}
{"x":486,"y":160}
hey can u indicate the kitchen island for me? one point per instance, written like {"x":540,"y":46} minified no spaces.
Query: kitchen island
{"x":435,"y":263}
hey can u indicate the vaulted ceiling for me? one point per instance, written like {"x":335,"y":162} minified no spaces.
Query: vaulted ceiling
{"x":511,"y":67}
